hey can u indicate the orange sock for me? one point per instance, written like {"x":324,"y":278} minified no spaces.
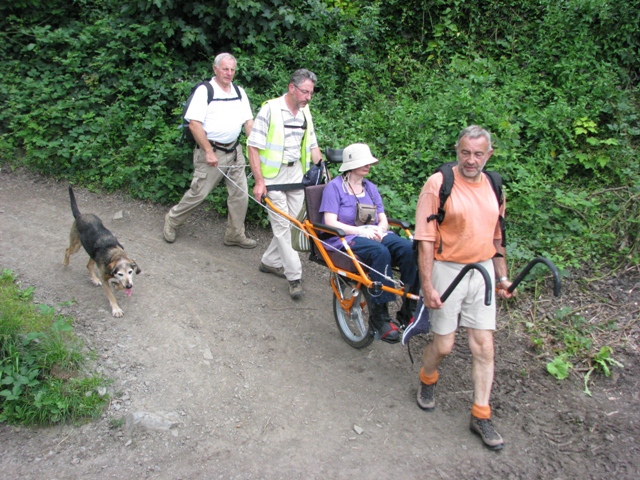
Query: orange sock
{"x":481,"y":411}
{"x":428,"y":379}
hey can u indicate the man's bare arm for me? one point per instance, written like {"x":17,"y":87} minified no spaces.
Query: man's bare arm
{"x":425,"y":266}
{"x":201,"y":138}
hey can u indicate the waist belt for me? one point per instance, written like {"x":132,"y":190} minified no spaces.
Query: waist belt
{"x":225,"y":147}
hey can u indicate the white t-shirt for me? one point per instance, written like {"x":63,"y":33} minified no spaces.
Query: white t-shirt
{"x":222,"y":120}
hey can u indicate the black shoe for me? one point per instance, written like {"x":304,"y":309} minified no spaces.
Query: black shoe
{"x":389,"y":333}
{"x":426,"y":396}
{"x":484,"y":428}
{"x":406,"y":312}
{"x":381,"y":322}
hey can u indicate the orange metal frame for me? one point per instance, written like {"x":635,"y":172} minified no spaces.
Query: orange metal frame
{"x":312,"y":231}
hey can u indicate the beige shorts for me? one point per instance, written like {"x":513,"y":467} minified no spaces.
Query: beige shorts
{"x":465,"y":306}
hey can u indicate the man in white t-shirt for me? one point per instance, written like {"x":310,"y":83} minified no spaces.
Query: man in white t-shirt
{"x":215,"y":128}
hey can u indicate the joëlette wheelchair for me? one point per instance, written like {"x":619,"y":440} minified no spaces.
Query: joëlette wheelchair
{"x":352,"y":288}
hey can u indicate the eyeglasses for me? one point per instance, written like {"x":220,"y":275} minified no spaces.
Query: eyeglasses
{"x":304,"y":92}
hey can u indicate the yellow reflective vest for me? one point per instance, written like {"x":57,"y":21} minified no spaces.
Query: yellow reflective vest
{"x":272,"y":156}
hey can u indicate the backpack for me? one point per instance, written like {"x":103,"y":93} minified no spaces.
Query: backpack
{"x":495,"y":180}
{"x":184,"y":126}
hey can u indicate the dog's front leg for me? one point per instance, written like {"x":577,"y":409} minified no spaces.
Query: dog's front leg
{"x":92,"y":272}
{"x":115,"y":309}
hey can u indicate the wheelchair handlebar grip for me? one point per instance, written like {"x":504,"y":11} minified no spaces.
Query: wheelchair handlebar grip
{"x":333,"y":155}
{"x":556,"y":275}
{"x":463,"y":272}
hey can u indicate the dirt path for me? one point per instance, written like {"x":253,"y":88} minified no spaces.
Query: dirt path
{"x":254,"y":386}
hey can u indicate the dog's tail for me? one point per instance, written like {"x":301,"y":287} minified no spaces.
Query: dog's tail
{"x":74,"y":205}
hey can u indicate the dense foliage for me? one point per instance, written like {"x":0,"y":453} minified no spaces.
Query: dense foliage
{"x":92,"y":92}
{"x":42,"y":364}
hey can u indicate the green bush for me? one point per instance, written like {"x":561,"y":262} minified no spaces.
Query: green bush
{"x":94,"y":96}
{"x":41,"y":363}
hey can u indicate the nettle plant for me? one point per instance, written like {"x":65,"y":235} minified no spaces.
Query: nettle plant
{"x":588,"y":154}
{"x":571,"y":340}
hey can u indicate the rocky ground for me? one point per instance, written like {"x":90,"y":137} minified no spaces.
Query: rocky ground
{"x":218,"y":374}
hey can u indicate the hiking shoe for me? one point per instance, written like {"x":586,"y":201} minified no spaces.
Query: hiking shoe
{"x":381,"y":322}
{"x":404,"y":316}
{"x":295,"y":289}
{"x":389,"y":333}
{"x":169,"y":233}
{"x":277,"y":271}
{"x":419,"y":323}
{"x":242,"y":242}
{"x":488,"y":434}
{"x":426,"y":396}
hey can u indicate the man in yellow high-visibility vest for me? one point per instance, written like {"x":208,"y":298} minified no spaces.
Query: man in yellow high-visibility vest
{"x":281,"y":147}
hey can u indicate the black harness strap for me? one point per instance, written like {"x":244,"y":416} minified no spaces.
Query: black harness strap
{"x":495,"y":180}
{"x":496,"y":183}
{"x":210,"y":94}
{"x":300,"y":127}
{"x":283,"y":187}
{"x":230,"y":149}
{"x":445,"y":192}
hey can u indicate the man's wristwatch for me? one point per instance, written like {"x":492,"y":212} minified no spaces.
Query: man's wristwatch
{"x":503,"y":279}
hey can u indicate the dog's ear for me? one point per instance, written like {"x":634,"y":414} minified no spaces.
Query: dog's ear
{"x":112,"y":268}
{"x":136,"y":268}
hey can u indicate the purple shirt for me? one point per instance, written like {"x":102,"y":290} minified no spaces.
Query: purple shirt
{"x":338,"y":199}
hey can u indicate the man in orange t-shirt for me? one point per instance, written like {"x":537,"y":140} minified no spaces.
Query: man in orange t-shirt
{"x":470,"y":233}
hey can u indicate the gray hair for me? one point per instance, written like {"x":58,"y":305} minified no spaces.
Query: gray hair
{"x":474,"y":131}
{"x":221,"y":57}
{"x":301,"y":75}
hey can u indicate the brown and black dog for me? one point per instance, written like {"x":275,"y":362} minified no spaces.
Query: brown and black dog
{"x":105,"y":252}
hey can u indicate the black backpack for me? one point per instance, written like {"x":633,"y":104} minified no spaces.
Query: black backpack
{"x":184,"y":126}
{"x":495,"y":180}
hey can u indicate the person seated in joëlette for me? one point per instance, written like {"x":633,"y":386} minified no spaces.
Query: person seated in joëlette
{"x":353,"y":204}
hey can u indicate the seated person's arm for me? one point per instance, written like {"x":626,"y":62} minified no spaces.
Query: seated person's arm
{"x":383,"y":223}
{"x":331,"y":219}
{"x":367,"y":231}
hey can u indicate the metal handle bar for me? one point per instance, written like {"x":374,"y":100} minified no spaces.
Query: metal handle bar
{"x":463,"y":272}
{"x":527,"y":269}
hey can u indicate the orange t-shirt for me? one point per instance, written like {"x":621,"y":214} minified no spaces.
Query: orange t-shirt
{"x":471,"y":219}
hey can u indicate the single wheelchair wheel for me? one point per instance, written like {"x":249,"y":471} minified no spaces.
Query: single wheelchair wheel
{"x":352,"y":313}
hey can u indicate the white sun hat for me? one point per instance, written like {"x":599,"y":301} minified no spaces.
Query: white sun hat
{"x":355,"y":156}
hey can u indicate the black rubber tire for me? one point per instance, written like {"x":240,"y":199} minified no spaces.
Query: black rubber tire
{"x":354,"y":328}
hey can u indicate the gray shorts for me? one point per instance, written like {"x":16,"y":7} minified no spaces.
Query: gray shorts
{"x":465,"y":306}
